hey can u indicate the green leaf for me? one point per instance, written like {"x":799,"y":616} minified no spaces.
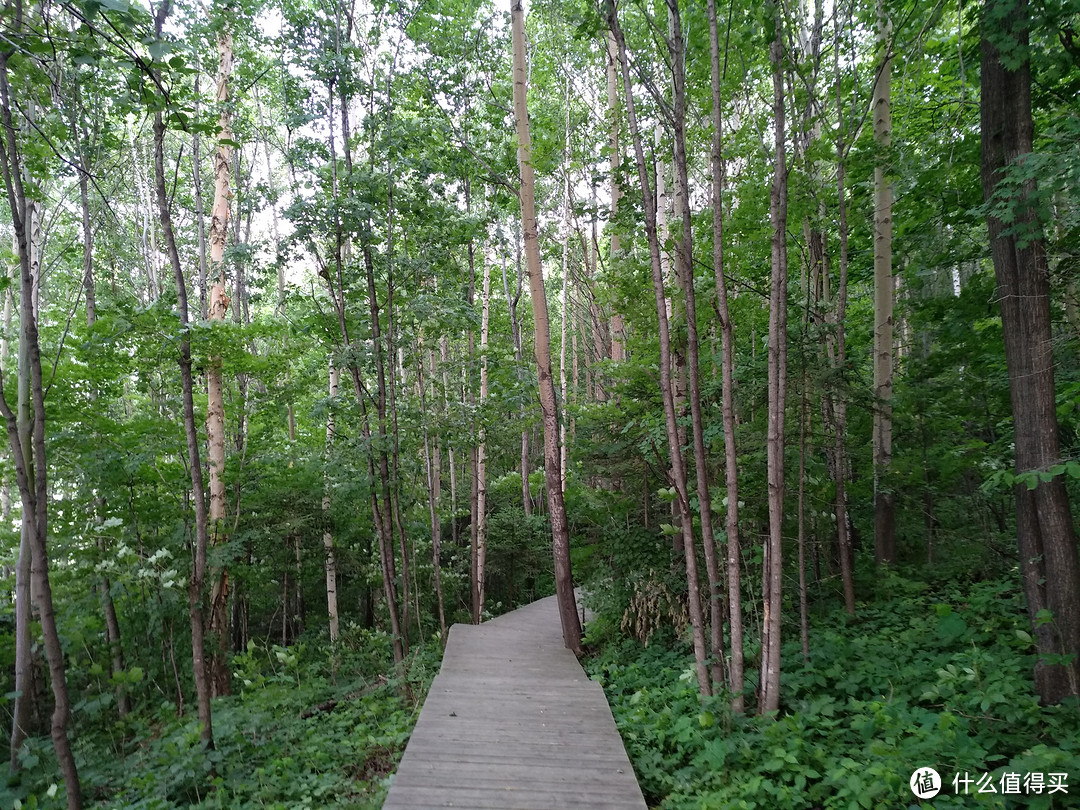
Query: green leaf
{"x":951,"y":627}
{"x":159,"y":48}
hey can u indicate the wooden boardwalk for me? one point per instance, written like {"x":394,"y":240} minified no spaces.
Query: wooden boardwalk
{"x":511,"y":722}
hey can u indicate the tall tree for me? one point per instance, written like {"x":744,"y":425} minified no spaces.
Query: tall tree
{"x":549,"y":406}
{"x":433,"y":473}
{"x":727,"y":372}
{"x":884,"y":499}
{"x":200,"y":668}
{"x":220,"y":678}
{"x":678,"y":464}
{"x":329,"y":557}
{"x":26,"y":435}
{"x":685,"y":252}
{"x":772,"y":568}
{"x":1048,"y":557}
{"x":837,"y":345}
{"x":481,"y":447}
{"x":618,"y":326}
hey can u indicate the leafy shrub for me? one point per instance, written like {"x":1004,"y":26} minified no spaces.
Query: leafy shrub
{"x":922,"y":678}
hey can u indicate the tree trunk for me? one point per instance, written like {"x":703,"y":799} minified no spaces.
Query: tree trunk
{"x":433,"y":470}
{"x":884,"y":499}
{"x":23,"y":708}
{"x":481,"y":448}
{"x":198,"y":494}
{"x":329,"y":560}
{"x":686,"y":278}
{"x":678,"y":468}
{"x":843,"y":535}
{"x":515,"y":329}
{"x":383,"y":512}
{"x":727,"y":362}
{"x":549,"y":407}
{"x":391,"y":352}
{"x":475,"y":584}
{"x":564,"y":292}
{"x":27,"y":440}
{"x":772,"y":568}
{"x":1048,"y":556}
{"x":444,"y":349}
{"x":196,"y":175}
{"x":804,"y":608}
{"x":220,"y":677}
{"x":618,"y":352}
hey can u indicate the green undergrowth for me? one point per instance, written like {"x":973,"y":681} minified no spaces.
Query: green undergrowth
{"x":301,"y":730}
{"x":938,"y":678}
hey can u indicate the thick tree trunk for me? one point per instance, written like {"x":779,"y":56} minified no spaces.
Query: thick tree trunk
{"x":220,"y":678}
{"x":1048,"y":556}
{"x":884,"y":499}
{"x":727,"y":377}
{"x":678,"y":468}
{"x":549,"y":407}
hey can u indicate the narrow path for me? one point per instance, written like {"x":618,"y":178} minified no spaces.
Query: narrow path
{"x":512,"y":722}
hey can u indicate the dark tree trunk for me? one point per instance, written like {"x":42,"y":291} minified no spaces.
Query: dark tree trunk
{"x":1048,"y":556}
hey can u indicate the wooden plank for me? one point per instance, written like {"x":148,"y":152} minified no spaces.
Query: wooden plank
{"x":512,"y":722}
{"x":426,"y":798}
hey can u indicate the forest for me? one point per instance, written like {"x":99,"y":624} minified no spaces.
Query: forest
{"x":328,"y":324}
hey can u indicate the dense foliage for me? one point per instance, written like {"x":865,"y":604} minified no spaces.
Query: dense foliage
{"x":384,"y":471}
{"x":932,"y":674}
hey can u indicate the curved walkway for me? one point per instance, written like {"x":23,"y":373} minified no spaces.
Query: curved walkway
{"x":512,"y":722}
